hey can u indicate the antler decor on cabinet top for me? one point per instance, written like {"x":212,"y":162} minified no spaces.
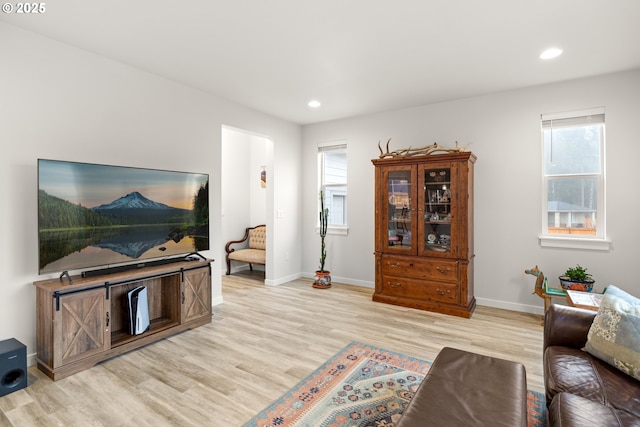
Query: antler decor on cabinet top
{"x":429,"y":149}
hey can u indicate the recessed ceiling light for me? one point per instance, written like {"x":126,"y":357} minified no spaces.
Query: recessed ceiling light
{"x":551,"y":53}
{"x":314,"y":103}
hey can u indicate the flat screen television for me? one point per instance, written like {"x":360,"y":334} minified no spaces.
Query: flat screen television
{"x":93,"y":216}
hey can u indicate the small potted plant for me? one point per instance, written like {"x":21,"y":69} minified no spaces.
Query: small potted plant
{"x":322,"y":279}
{"x":577,"y":279}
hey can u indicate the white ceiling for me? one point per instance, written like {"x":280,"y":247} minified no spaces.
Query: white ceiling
{"x":355,"y":56}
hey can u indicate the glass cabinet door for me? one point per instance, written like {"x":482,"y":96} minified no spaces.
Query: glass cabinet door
{"x":400,"y":208}
{"x":437,"y":209}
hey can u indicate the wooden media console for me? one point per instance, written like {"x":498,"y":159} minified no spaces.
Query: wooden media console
{"x":84,"y":321}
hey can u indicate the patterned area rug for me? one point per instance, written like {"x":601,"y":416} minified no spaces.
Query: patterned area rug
{"x":362,"y":386}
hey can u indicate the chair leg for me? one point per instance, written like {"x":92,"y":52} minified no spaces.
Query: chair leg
{"x":228,"y":266}
{"x":250,"y":267}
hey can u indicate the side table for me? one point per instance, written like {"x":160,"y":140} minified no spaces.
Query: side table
{"x":546,"y":293}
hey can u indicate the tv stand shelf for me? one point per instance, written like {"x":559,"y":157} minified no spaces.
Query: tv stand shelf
{"x":85,"y":322}
{"x":122,"y":336}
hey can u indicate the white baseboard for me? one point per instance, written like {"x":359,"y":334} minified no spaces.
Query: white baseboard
{"x":282,"y":280}
{"x":525,"y":308}
{"x":345,"y":280}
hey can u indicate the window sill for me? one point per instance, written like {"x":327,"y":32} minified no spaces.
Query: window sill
{"x":574,"y":243}
{"x":336,"y":230}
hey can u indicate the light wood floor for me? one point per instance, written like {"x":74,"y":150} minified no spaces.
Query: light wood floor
{"x":262,"y":341}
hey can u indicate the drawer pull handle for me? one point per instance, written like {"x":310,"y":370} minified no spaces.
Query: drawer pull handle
{"x":439,"y":292}
{"x":443,"y":270}
{"x":394,"y":265}
{"x":394,"y":285}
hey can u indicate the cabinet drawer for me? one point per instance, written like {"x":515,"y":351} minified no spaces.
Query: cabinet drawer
{"x":420,"y":268}
{"x":419,"y":289}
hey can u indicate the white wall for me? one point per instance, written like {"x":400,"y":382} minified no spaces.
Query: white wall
{"x":234,"y":192}
{"x":258,"y":158}
{"x":60,"y":102}
{"x":505,"y":131}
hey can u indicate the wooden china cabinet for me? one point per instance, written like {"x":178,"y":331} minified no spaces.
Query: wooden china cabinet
{"x":424,"y":232}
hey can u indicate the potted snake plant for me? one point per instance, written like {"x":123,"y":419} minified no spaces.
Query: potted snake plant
{"x":322,"y":279}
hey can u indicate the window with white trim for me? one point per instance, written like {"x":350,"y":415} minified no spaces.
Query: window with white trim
{"x":332,"y":178}
{"x":574,"y":173}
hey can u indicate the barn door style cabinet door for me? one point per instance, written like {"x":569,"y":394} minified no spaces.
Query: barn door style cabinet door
{"x":424,"y":232}
{"x":81,"y":326}
{"x":196,"y":295}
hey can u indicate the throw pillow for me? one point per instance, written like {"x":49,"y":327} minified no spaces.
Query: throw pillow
{"x":614,"y":336}
{"x":616,"y":291}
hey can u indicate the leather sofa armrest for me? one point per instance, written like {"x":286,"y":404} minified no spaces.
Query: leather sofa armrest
{"x":567,"y":326}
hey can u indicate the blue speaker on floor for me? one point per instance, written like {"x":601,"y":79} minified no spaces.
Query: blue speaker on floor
{"x":13,"y":366}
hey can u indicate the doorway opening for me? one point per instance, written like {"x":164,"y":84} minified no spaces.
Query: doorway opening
{"x":246,"y":196}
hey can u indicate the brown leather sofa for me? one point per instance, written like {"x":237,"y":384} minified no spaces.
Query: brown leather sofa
{"x":582,"y":390}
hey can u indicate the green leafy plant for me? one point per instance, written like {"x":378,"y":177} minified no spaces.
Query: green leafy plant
{"x":577,"y":274}
{"x":324,"y":221}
